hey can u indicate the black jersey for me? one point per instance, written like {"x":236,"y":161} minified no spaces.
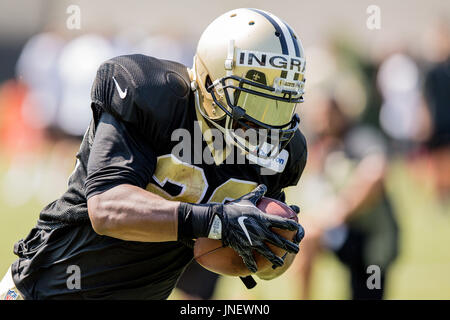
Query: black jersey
{"x":138,"y":102}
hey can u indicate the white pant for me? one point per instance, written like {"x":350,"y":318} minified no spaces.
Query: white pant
{"x":8,"y":290}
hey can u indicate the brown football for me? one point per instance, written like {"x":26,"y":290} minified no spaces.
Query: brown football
{"x":210,"y":254}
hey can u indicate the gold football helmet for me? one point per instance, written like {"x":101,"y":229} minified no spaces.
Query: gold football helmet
{"x":249,"y":74}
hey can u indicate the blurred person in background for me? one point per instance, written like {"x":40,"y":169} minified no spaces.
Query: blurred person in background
{"x":398,"y":80}
{"x":23,"y":134}
{"x":345,"y":205}
{"x":427,"y":107}
{"x":437,"y":101}
{"x":45,"y":113}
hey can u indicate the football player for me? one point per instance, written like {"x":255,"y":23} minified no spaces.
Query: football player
{"x":124,"y":228}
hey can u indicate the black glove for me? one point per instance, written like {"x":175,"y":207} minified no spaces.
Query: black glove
{"x":298,"y":236}
{"x":240,"y":225}
{"x":295,"y":208}
{"x":301,"y":232}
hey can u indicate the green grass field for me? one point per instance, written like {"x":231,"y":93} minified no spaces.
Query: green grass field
{"x":422,"y":270}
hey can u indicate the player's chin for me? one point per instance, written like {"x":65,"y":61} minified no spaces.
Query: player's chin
{"x":270,"y":273}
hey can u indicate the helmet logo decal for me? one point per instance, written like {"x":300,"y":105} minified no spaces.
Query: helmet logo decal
{"x":256,"y":76}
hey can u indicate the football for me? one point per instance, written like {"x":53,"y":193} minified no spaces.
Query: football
{"x":224,"y":260}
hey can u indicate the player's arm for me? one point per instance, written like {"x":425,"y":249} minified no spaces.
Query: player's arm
{"x":120,"y":166}
{"x":131,"y":213}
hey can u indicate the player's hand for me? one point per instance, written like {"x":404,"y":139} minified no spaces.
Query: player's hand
{"x":300,"y":232}
{"x":298,"y":236}
{"x":295,"y":208}
{"x":246,"y":228}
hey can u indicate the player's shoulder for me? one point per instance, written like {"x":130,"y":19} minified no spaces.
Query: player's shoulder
{"x":142,"y":90}
{"x":297,"y":155}
{"x":297,"y":148}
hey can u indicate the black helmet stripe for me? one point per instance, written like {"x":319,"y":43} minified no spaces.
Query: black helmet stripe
{"x":284,"y":47}
{"x":294,"y":40}
{"x":297,"y":49}
{"x":282,"y":37}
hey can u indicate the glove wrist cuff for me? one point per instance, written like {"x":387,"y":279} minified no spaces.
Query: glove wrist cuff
{"x":194,"y":220}
{"x":215,"y":230}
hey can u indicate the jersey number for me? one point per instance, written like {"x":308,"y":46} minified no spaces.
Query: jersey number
{"x":180,"y":181}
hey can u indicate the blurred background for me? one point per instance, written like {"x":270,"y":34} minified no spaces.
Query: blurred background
{"x":376,"y":189}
